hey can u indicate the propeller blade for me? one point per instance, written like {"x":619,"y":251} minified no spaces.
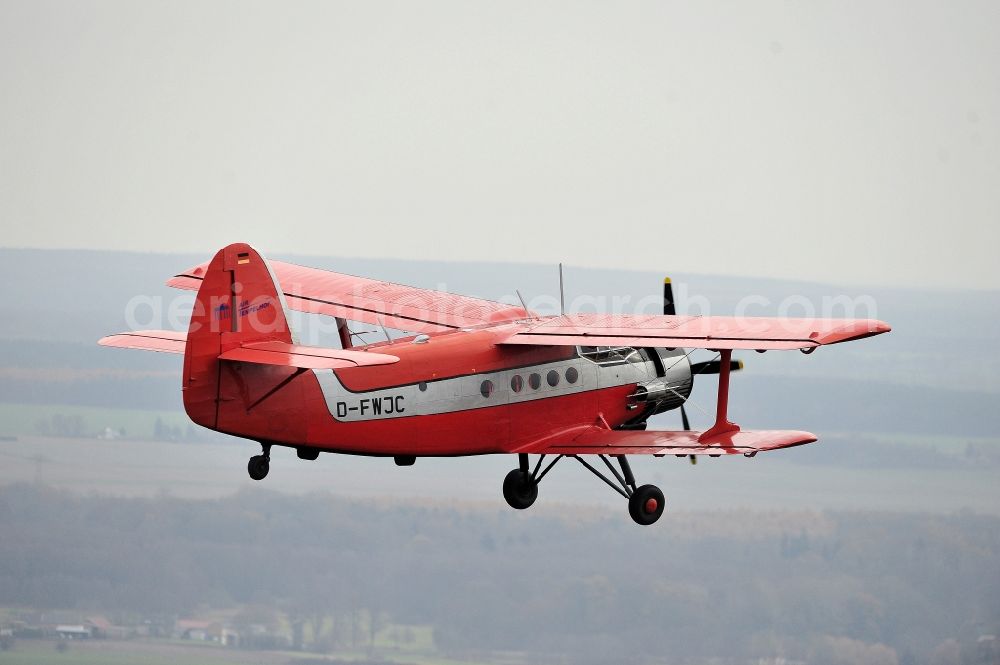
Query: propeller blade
{"x":709,"y":366}
{"x":714,"y":367}
{"x":668,"y":298}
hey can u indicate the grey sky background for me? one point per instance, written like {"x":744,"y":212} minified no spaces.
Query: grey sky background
{"x":847,"y":142}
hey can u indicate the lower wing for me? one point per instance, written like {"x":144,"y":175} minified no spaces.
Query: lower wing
{"x":601,"y":441}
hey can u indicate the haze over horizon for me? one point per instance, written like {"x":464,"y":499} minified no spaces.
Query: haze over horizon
{"x":800,"y":160}
{"x":822,"y":142}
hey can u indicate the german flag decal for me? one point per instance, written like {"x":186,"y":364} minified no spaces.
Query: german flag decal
{"x":242,"y":258}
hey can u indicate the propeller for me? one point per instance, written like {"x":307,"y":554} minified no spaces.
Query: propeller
{"x":668,"y":298}
{"x":714,"y":366}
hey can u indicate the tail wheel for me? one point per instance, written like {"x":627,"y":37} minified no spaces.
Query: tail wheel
{"x":646,"y":504}
{"x":258,"y":466}
{"x":519,"y":490}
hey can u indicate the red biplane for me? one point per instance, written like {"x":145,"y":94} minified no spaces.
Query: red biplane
{"x":476,"y":377}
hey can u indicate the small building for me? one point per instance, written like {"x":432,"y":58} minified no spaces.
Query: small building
{"x":73,"y":632}
{"x":102,"y":628}
{"x":6,"y":637}
{"x":987,"y":649}
{"x":203,"y":631}
{"x":229,"y":637}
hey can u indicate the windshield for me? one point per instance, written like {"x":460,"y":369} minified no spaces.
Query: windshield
{"x":610,"y":355}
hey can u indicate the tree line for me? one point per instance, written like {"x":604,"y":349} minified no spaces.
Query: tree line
{"x":577,"y":584}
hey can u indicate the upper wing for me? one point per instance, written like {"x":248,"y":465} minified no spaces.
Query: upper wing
{"x":602,"y":441}
{"x":709,"y":332}
{"x":372,"y":301}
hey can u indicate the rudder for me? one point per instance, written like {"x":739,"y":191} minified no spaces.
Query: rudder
{"x":239,"y":301}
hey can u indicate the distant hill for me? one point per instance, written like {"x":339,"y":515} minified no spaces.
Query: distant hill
{"x":935,"y":373}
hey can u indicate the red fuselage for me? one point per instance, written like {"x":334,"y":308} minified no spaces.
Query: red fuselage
{"x":455,"y":393}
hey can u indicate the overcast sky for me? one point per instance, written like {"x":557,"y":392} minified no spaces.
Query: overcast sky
{"x":853,"y":142}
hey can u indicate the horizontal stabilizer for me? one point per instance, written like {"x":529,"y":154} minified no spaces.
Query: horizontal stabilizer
{"x":283,"y":354}
{"x":603,"y":441}
{"x":165,"y":341}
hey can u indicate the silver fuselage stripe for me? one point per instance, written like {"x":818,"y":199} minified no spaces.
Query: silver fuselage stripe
{"x":464,"y":393}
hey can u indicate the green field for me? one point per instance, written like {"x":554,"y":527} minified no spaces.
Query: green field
{"x":29,"y":419}
{"x":162,"y":652}
{"x":44,"y":652}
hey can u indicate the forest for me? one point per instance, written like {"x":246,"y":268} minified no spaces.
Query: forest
{"x":560,"y":583}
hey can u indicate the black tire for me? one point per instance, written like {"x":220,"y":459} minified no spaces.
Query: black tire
{"x":646,"y":504}
{"x":307,"y":453}
{"x":519,"y":490}
{"x":258,"y":466}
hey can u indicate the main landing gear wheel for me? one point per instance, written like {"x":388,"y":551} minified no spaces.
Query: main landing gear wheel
{"x":258,"y":466}
{"x":646,"y":504}
{"x":519,"y":489}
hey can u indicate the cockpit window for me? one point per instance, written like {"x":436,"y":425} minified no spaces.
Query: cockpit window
{"x":610,"y":355}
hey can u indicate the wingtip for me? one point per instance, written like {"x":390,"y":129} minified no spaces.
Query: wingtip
{"x":851,"y":330}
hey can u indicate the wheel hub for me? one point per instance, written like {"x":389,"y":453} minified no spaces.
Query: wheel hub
{"x":651,"y":505}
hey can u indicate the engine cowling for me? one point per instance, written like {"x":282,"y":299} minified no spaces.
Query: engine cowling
{"x":673,"y":384}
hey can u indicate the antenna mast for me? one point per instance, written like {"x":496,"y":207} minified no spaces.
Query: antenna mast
{"x":562,"y":293}
{"x":524,"y":306}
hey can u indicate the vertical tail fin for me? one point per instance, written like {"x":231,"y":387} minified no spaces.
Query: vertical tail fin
{"x":239,"y":301}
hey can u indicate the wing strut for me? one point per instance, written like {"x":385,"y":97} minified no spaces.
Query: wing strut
{"x":344,"y":332}
{"x":722,"y":424}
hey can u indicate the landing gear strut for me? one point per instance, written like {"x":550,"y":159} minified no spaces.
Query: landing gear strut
{"x":645,"y":503}
{"x":259,"y":465}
